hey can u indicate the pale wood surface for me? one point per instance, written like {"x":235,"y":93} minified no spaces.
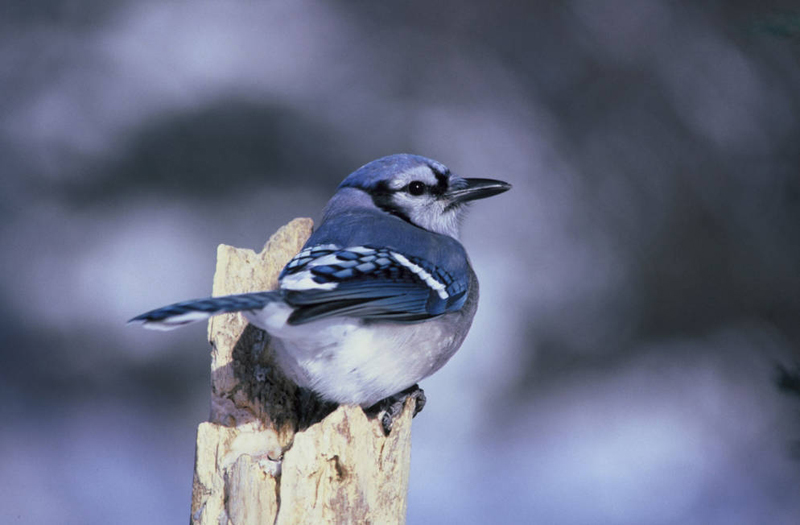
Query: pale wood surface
{"x":252,"y":465}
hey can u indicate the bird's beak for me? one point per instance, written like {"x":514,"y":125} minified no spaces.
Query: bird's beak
{"x":477,"y":189}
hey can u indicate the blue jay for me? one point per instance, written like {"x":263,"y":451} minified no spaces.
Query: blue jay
{"x":382,"y":294}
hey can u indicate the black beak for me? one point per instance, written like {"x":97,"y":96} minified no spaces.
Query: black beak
{"x":477,"y":189}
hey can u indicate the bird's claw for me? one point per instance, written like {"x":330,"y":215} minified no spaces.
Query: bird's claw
{"x":390,"y":408}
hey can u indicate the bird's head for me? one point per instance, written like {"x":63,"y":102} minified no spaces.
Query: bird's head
{"x":421,"y":191}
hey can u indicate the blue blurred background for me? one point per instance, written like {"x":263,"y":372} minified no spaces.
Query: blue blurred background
{"x":641,"y":282}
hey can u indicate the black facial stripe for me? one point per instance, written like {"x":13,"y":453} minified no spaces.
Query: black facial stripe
{"x":441,"y":184}
{"x":382,"y":197}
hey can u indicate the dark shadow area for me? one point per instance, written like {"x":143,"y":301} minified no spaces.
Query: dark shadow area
{"x":788,"y":382}
{"x":76,"y":13}
{"x":264,"y":391}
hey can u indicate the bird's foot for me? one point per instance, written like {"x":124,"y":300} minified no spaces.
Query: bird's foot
{"x":390,"y":408}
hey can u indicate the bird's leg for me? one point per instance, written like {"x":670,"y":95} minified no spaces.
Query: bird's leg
{"x":390,"y":408}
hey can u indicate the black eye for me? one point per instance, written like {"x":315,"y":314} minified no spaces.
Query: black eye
{"x":416,"y":188}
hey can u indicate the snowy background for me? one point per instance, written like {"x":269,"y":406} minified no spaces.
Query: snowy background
{"x":640,"y":283}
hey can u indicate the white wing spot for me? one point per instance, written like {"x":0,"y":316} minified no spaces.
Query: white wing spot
{"x":360,"y":249}
{"x":325,"y":260}
{"x":425,"y":276}
{"x":304,"y":281}
{"x":306,"y":252}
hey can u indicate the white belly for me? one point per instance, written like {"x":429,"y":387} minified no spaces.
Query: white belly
{"x":350,"y":361}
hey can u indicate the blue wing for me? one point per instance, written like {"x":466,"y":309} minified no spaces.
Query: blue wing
{"x":370,"y":283}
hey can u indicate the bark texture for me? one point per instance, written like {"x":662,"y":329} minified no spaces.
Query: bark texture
{"x":253,"y":463}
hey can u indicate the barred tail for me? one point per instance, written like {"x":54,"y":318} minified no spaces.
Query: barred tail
{"x":179,"y":314}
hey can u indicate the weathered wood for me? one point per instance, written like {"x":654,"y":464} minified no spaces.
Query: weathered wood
{"x":252,"y":465}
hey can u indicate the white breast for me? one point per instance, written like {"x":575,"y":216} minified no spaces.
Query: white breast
{"x":350,"y":361}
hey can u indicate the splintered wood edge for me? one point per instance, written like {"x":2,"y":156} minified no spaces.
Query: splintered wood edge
{"x":344,"y":470}
{"x":243,"y":468}
{"x":241,"y":270}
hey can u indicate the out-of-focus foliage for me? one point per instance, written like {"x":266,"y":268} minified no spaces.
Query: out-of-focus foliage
{"x":640,"y":283}
{"x":784,"y":24}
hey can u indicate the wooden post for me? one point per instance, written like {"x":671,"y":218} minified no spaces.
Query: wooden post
{"x":252,"y":464}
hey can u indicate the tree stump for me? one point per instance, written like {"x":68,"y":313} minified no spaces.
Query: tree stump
{"x":253,"y":463}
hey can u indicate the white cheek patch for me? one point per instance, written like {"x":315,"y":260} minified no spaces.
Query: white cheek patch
{"x":433,"y":217}
{"x":427,"y":278}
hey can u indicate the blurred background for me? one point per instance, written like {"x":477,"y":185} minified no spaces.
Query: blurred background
{"x":640,"y":283}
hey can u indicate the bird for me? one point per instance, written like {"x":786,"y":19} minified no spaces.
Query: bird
{"x":381,"y":295}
